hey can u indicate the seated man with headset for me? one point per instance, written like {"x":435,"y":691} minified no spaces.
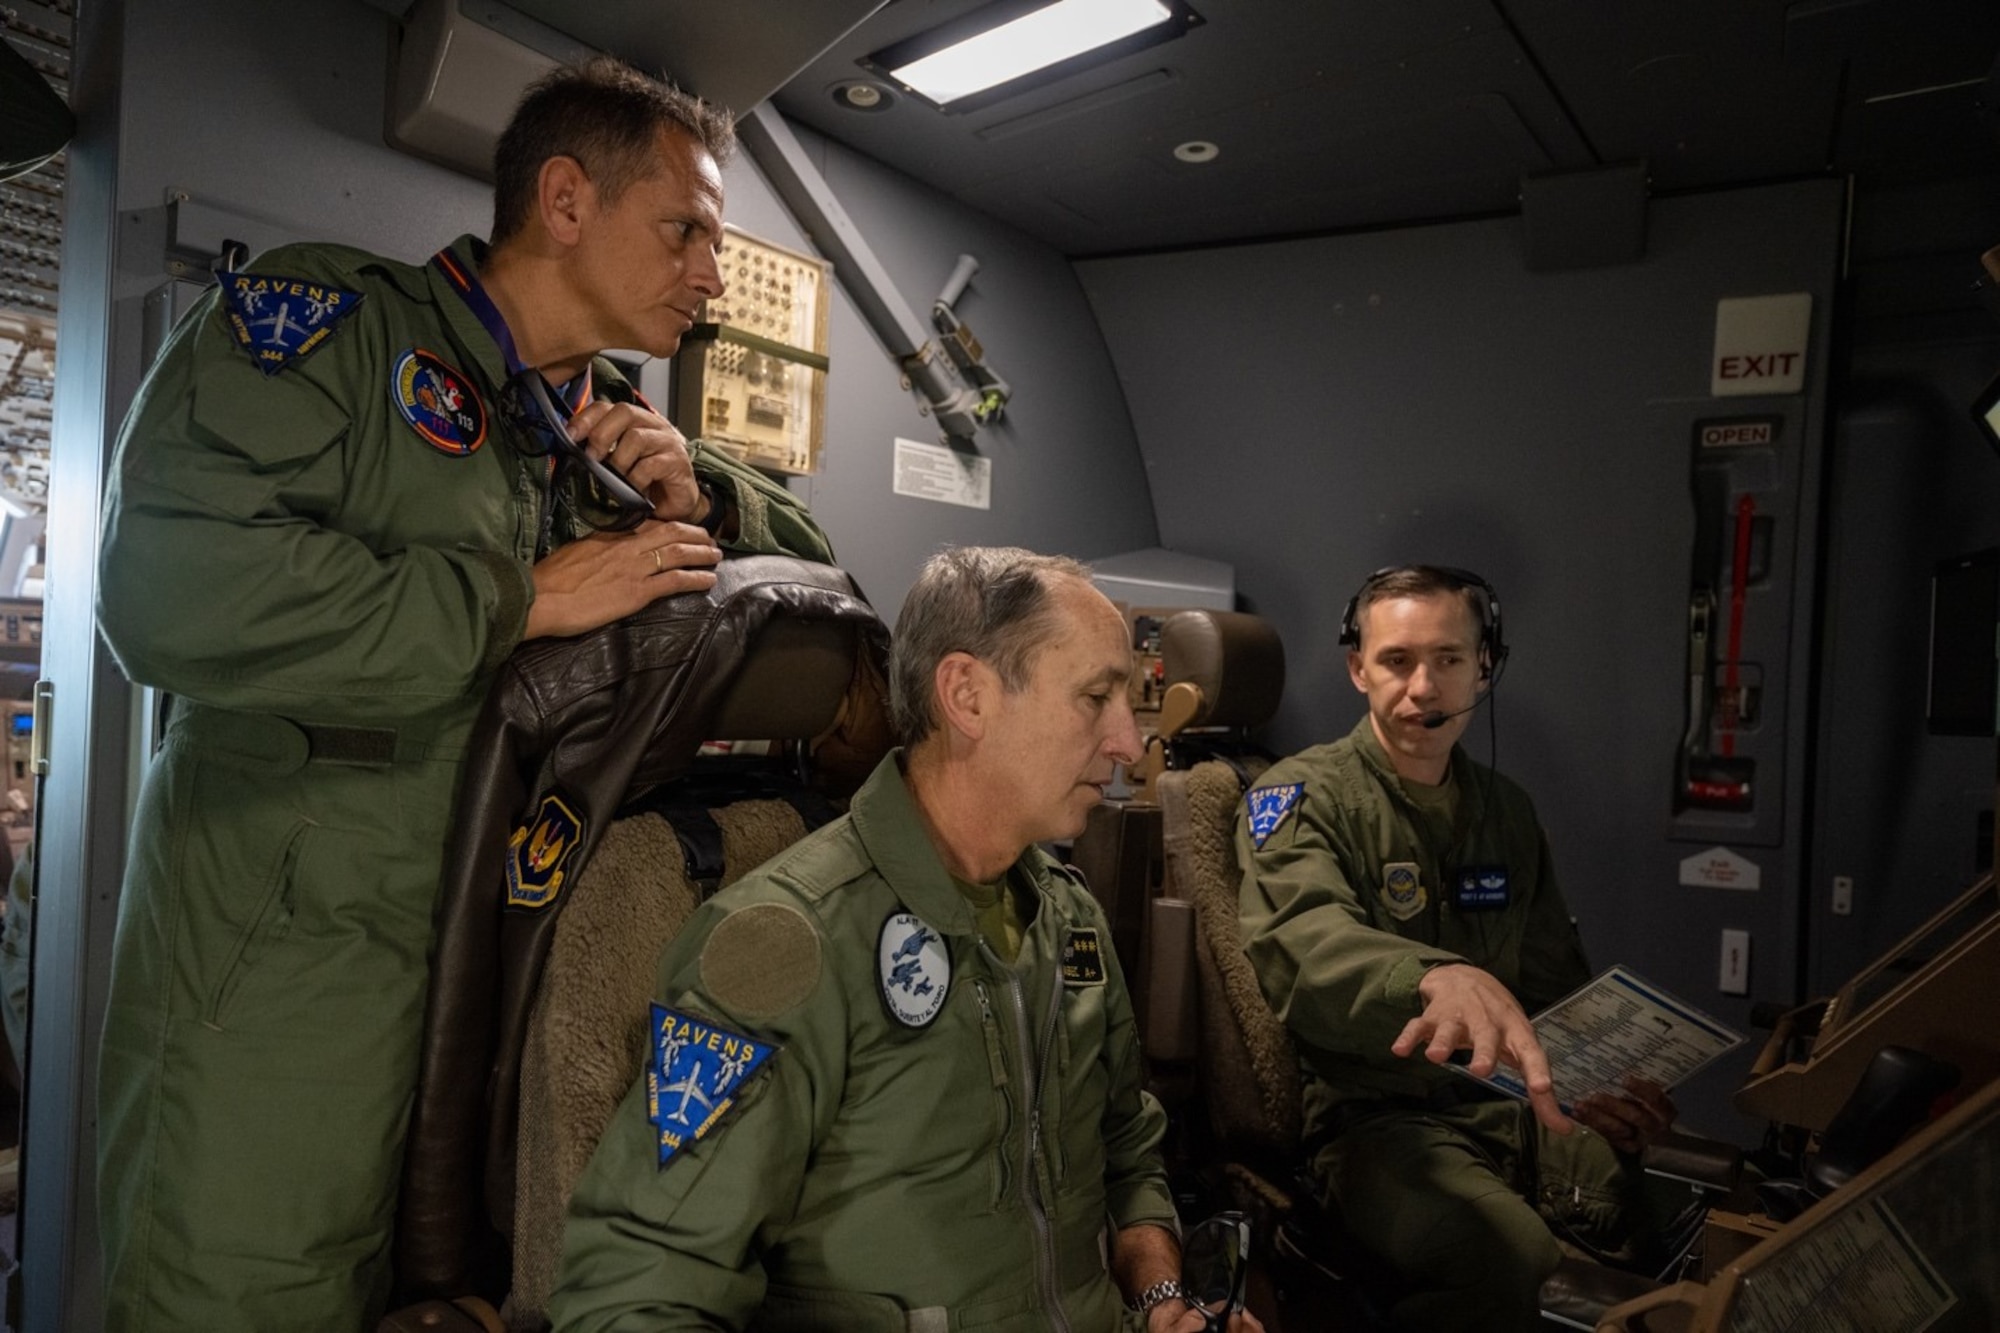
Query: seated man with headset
{"x":1398,"y":901}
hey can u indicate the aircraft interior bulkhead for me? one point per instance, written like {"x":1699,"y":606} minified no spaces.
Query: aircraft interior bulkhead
{"x":1670,"y":331}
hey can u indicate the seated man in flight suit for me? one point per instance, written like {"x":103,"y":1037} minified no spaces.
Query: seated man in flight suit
{"x":1398,"y":899}
{"x":893,"y":1080}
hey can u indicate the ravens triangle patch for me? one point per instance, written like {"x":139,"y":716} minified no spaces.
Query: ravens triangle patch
{"x":281,"y":320}
{"x":693,"y":1075}
{"x":1269,"y":806}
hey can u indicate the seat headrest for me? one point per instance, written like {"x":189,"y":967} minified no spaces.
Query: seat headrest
{"x":790,"y":684}
{"x":1236,"y":661}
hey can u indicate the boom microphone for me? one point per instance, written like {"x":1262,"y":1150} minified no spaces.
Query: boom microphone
{"x":1433,"y":720}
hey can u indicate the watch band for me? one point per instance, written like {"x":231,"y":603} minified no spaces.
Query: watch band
{"x":1165,"y":1289}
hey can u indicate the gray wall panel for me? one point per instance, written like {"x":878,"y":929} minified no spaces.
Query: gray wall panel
{"x":275,"y":113}
{"x":1066,"y":468}
{"x":1312,"y":410}
{"x":1911,"y":483}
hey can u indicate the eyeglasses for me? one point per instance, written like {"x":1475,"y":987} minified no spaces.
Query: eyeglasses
{"x":1215,"y":1268}
{"x":620,"y":506}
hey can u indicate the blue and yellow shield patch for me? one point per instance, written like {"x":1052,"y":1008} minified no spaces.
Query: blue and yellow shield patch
{"x":1269,"y":806}
{"x":693,"y":1074}
{"x":538,"y":854}
{"x":281,"y":320}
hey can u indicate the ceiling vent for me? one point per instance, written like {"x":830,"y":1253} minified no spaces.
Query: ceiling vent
{"x":455,"y":84}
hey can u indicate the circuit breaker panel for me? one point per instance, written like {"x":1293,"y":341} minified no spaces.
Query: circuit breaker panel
{"x":751,"y":378}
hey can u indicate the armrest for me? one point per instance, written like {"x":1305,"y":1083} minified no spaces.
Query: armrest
{"x":1668,"y":1310}
{"x":1579,"y":1292}
{"x":1708,"y":1164}
{"x":1168,"y":1025}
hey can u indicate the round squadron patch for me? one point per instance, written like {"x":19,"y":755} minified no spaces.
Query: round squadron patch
{"x":914,"y":967}
{"x":1403,"y":891}
{"x":438,"y":402}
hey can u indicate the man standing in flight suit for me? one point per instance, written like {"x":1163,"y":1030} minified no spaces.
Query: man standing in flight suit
{"x":893,"y":1080}
{"x":1399,"y":898}
{"x":340,"y":500}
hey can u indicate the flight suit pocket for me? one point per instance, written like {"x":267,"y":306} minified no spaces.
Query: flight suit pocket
{"x":1083,"y":1043}
{"x":267,"y":925}
{"x":1590,"y":1218}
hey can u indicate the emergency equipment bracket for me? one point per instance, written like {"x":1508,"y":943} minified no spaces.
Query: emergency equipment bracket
{"x":927,"y":363}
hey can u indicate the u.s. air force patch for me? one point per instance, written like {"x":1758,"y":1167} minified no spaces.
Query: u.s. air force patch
{"x":914,"y":967}
{"x":1269,"y":806}
{"x":538,"y":854}
{"x":280,"y":320}
{"x":693,"y":1074}
{"x":1403,"y":891}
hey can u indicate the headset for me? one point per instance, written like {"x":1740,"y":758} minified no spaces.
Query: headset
{"x":1485,"y":602}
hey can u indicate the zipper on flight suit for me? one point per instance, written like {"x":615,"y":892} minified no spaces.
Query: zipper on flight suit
{"x":1034,"y":1069}
{"x":996,"y":1061}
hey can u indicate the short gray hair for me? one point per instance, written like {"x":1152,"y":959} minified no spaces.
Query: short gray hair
{"x":995,"y":602}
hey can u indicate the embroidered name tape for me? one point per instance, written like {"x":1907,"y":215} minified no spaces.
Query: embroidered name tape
{"x":1268,"y":808}
{"x":538,"y":854}
{"x":439,"y":403}
{"x":281,"y":320}
{"x":1082,"y":958}
{"x":914,"y":969}
{"x":1482,"y":889}
{"x":693,"y":1074}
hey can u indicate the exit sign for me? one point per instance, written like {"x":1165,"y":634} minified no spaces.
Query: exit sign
{"x":1760,"y":344}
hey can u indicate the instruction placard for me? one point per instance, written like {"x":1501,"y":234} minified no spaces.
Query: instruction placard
{"x":932,"y":472}
{"x":1863,"y":1264}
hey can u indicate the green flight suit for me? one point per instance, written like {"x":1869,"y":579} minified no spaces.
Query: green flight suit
{"x":1348,"y":898}
{"x":877,"y":1176}
{"x":327,"y":594}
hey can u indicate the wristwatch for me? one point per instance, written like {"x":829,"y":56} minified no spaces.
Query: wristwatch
{"x":1165,"y":1289}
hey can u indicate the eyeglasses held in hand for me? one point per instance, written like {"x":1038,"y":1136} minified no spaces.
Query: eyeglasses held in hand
{"x":1215,"y":1268}
{"x":539,"y":412}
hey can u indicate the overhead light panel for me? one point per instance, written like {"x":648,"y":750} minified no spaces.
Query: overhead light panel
{"x":1008,"y":47}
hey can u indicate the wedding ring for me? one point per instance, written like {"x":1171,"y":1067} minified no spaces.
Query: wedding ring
{"x":659,"y":565}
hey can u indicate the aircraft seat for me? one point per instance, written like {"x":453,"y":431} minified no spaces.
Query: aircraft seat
{"x":1223,"y":673}
{"x":1248,"y":1069}
{"x":597,"y":746}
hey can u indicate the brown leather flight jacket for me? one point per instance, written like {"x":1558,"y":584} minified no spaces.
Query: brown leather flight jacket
{"x":597,"y":720}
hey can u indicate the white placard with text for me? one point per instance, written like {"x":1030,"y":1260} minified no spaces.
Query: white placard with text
{"x":933,"y":472}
